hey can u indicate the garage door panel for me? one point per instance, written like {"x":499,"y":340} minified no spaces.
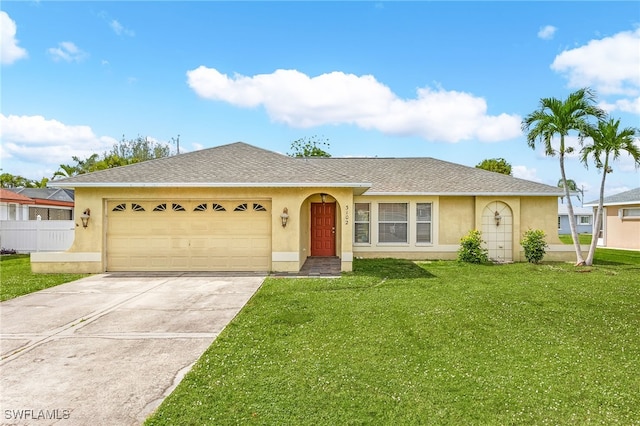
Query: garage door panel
{"x":188,"y":240}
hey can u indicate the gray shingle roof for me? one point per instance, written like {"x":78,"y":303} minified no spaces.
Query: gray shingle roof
{"x":236,"y":164}
{"x":424,"y":175}
{"x":240,"y":164}
{"x":46,"y":193}
{"x":627,"y":197}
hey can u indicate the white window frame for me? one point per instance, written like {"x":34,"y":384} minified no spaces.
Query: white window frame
{"x":392,"y":223}
{"x":429,"y":222}
{"x":624,"y":213}
{"x":581,"y":222}
{"x":359,"y":221}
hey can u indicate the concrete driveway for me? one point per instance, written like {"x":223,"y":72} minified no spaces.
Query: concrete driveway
{"x":107,"y":349}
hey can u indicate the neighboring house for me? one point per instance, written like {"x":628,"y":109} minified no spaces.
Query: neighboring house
{"x":237,"y":207}
{"x":14,"y":206}
{"x":48,"y":203}
{"x":621,"y":224}
{"x":584,"y":220}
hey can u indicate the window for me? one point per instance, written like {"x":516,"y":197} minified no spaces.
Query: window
{"x":120,"y":208}
{"x":137,"y":207}
{"x":160,"y":207}
{"x":200,"y":207}
{"x":241,"y":208}
{"x":423,"y":223}
{"x":217,"y":208}
{"x":392,"y":223}
{"x":362,"y":224}
{"x":177,"y":208}
{"x":584,"y":220}
{"x":629,"y":213}
{"x":258,"y":208}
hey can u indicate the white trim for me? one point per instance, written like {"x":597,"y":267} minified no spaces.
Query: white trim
{"x":285,"y":256}
{"x":622,"y":203}
{"x":61,"y":256}
{"x":209,"y":185}
{"x":474,"y":194}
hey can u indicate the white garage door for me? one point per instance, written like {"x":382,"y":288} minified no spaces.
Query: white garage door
{"x":187,"y":235}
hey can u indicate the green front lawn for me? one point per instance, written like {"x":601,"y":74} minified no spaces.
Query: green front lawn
{"x":582,"y":238}
{"x":432,"y":343}
{"x":16,"y":278}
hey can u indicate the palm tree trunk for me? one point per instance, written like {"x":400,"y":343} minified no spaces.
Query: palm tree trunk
{"x":598,"y":219}
{"x":572,"y":219}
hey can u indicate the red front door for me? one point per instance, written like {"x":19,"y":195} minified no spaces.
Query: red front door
{"x":323,"y":229}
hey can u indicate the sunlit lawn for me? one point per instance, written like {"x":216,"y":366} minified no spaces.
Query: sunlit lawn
{"x":16,"y":278}
{"x":431,"y":343}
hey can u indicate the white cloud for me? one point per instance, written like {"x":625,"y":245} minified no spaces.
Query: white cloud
{"x":610,"y":65}
{"x":524,"y":172}
{"x":9,"y":49}
{"x":67,"y":51}
{"x":547,"y":32}
{"x":119,"y":29}
{"x":44,"y":143}
{"x":300,"y":101}
{"x":625,"y":105}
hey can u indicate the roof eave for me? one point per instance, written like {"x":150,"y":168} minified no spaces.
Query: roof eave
{"x":464,"y":194}
{"x":621,"y":203}
{"x":211,"y":184}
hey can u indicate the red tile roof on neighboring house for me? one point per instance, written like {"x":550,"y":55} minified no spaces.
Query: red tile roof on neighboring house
{"x":11,"y":197}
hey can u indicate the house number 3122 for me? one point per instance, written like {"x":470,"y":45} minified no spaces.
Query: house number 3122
{"x":346,"y":215}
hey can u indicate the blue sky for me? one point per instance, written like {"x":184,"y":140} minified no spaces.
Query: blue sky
{"x":450,"y":80}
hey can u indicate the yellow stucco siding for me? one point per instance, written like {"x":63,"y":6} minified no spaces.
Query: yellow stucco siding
{"x":540,"y":213}
{"x":289,"y":245}
{"x":458,"y":220}
{"x":451,"y":218}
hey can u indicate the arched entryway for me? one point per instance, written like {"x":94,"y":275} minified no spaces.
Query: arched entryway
{"x":497,"y":231}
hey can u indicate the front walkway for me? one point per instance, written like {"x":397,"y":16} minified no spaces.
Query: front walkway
{"x":317,"y":266}
{"x":107,"y":349}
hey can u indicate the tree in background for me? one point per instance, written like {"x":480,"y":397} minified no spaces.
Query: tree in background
{"x":606,"y":146}
{"x":573,"y":186}
{"x":309,"y":147}
{"x":7,"y":180}
{"x":556,"y":117}
{"x":498,"y":165}
{"x":121,"y":154}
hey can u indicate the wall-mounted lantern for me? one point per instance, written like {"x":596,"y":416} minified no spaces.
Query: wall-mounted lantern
{"x":86,"y":215}
{"x":323,"y":197}
{"x":284,"y":217}
{"x":497,"y":218}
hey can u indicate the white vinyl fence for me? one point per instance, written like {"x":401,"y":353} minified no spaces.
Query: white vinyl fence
{"x":26,"y":236}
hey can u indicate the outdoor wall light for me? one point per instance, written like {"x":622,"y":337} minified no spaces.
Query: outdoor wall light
{"x":85,"y":217}
{"x":284,"y":216}
{"x":497,"y":218}
{"x":323,"y":197}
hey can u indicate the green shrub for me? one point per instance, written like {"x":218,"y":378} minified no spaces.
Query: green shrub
{"x":471,"y":250}
{"x":534,"y":245}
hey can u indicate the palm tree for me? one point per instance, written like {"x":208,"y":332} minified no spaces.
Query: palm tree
{"x":573,"y":186}
{"x":66,"y":171}
{"x":557,"y":117}
{"x":608,"y":143}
